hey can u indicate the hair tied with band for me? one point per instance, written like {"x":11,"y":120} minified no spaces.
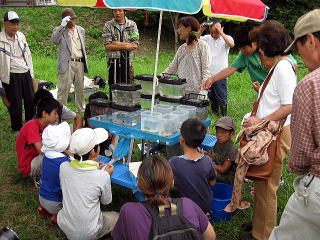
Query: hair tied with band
{"x":160,"y":193}
{"x":193,"y":33}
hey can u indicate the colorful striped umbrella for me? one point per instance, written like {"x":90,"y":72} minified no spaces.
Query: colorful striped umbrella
{"x":181,"y":6}
{"x":238,"y":10}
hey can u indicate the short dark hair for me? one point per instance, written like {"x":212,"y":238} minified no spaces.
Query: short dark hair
{"x":302,"y":40}
{"x":48,"y":104}
{"x":192,"y":22}
{"x":241,"y":38}
{"x":273,"y":38}
{"x":40,"y":94}
{"x":193,"y":131}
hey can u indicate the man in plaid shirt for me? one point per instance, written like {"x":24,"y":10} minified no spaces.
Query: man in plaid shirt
{"x":301,"y":217}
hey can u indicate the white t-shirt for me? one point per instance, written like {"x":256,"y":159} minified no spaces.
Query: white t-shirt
{"x":279,"y":91}
{"x":218,"y":53}
{"x":83,"y":190}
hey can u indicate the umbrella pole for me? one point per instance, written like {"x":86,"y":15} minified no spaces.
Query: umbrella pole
{"x":155,"y":80}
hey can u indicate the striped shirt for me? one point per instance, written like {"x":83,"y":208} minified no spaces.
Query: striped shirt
{"x":305,"y":126}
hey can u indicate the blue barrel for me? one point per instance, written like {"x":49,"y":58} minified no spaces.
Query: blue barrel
{"x":222,"y":194}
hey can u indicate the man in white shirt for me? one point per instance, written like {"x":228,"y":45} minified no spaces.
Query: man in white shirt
{"x":219,"y":45}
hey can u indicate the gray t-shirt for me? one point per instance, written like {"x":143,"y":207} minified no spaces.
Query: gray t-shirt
{"x":67,"y":114}
{"x":83,"y":191}
{"x":225,"y":152}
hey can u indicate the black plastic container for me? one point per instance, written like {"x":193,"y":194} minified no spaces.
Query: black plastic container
{"x":172,"y":87}
{"x":100,"y":106}
{"x":146,"y":82}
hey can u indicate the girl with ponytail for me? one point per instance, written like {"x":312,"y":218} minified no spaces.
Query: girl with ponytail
{"x":191,"y":61}
{"x":155,"y":179}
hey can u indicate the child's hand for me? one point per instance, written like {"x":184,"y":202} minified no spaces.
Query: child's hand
{"x":212,"y":182}
{"x":101,"y":164}
{"x":68,"y":153}
{"x":256,"y":86}
{"x":212,"y":156}
{"x":109,"y":168}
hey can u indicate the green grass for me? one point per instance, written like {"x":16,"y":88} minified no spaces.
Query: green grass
{"x":19,"y":198}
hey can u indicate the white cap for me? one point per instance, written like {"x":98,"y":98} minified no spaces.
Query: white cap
{"x":56,"y":138}
{"x":11,"y":16}
{"x":83,"y":140}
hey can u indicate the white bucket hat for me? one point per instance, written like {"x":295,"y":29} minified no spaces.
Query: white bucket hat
{"x":56,"y":138}
{"x":83,"y":140}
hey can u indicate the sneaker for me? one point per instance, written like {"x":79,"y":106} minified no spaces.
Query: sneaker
{"x":54,"y":219}
{"x":252,"y":191}
{"x":37,"y":182}
{"x":247,"y":180}
{"x":43,"y":211}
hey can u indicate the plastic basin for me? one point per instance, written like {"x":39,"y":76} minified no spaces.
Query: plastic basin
{"x":222,"y":194}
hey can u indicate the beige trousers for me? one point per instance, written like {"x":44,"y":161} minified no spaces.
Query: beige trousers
{"x":36,"y":166}
{"x":110,"y":219}
{"x":265,"y":193}
{"x":300,"y":221}
{"x":74,"y":75}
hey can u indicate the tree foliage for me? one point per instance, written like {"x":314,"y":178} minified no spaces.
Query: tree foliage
{"x":288,"y":11}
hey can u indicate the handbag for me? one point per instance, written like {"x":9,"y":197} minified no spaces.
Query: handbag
{"x":264,"y":171}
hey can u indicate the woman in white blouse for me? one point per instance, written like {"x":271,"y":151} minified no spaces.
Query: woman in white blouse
{"x":275,"y":104}
{"x":191,"y":61}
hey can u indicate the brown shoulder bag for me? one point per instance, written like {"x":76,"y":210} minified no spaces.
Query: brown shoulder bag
{"x":264,"y":171}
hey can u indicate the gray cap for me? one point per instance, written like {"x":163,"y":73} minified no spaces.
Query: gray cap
{"x":226,"y":123}
{"x":308,"y":23}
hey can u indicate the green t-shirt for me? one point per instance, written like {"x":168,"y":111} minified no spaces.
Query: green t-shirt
{"x":256,"y":71}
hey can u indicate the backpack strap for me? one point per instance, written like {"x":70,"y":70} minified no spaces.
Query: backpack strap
{"x":152,"y":209}
{"x":159,"y":211}
{"x":178,"y":203}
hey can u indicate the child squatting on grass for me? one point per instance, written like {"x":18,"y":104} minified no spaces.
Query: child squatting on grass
{"x":225,"y":152}
{"x":194,"y":171}
{"x":55,"y":140}
{"x":29,"y":140}
{"x":84,"y":186}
